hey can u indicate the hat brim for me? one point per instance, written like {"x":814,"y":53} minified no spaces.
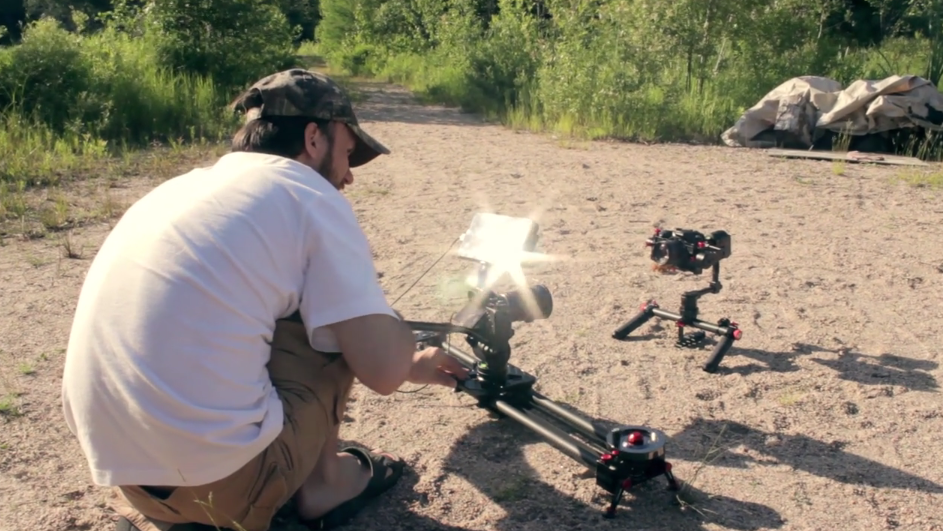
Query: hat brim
{"x":366,"y":149}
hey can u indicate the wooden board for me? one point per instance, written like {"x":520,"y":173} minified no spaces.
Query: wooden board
{"x":850,"y":156}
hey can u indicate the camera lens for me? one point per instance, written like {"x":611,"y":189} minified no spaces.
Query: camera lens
{"x":540,"y":305}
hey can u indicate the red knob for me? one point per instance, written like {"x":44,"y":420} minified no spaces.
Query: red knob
{"x":636,"y":438}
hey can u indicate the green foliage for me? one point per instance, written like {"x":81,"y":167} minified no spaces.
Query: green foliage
{"x":46,"y":76}
{"x":652,"y":69}
{"x":62,"y":93}
{"x":161,"y":70}
{"x":233,"y":42}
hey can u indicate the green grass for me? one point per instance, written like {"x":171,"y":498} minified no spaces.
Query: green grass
{"x":931,"y":179}
{"x":92,"y":192}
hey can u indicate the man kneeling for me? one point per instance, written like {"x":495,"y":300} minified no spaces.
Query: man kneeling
{"x":222,"y":323}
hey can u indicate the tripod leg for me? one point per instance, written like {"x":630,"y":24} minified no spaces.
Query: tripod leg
{"x":646,"y":312}
{"x":713,"y":362}
{"x":672,"y":482}
{"x":616,"y":498}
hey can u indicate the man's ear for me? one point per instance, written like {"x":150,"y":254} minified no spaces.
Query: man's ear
{"x":314,"y":140}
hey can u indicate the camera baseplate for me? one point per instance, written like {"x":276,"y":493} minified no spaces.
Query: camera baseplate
{"x":687,"y":316}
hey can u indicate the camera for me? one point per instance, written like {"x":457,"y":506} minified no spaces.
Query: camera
{"x":500,"y":244}
{"x":688,"y":250}
{"x":518,"y":305}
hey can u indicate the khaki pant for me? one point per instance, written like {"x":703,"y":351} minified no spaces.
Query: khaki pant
{"x":314,"y":388}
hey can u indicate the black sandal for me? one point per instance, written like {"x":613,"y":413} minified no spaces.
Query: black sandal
{"x":384,"y":473}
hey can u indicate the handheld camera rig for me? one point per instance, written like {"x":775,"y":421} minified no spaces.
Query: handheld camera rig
{"x":621,"y":458}
{"x":693,"y":252}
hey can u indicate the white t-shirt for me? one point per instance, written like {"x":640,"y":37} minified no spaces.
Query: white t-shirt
{"x":165,"y":380}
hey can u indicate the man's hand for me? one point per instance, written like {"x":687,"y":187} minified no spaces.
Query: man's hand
{"x":434,"y":366}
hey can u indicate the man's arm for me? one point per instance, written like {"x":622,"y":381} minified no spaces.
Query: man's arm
{"x":341,"y":292}
{"x":378,"y":348}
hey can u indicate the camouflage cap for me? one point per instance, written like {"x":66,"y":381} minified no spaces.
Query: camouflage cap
{"x":298,"y":92}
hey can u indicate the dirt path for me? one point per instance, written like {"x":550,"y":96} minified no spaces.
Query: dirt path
{"x":826,"y":415}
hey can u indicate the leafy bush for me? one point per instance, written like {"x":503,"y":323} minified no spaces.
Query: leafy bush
{"x":163,"y":71}
{"x":232,"y":42}
{"x":107,"y":85}
{"x":47,"y":76}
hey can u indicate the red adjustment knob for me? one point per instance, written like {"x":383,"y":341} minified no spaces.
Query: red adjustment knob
{"x":737,"y":334}
{"x":636,"y":438}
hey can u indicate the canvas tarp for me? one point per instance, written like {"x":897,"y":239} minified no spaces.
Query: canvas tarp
{"x":809,"y":106}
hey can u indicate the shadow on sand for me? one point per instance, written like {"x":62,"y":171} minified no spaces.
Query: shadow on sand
{"x":800,"y":452}
{"x":852,"y":366}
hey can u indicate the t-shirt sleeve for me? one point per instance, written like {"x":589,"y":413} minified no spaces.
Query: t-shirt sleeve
{"x":340,"y":279}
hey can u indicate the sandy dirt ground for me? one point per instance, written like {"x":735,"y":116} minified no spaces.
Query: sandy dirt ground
{"x":826,"y":415}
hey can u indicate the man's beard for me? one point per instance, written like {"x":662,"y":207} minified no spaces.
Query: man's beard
{"x":326,"y":168}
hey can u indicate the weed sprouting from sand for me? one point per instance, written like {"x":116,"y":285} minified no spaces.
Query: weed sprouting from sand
{"x":684,"y":495}
{"x":9,"y":392}
{"x":8,"y":407}
{"x":931,"y":179}
{"x":70,"y":247}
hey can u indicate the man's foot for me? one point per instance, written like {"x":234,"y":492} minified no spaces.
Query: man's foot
{"x":364,"y":476}
{"x":351,"y":479}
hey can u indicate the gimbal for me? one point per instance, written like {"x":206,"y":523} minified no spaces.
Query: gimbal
{"x":687,"y":316}
{"x":621,"y":458}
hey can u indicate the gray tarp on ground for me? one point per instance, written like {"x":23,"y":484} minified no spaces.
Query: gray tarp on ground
{"x":808,"y":106}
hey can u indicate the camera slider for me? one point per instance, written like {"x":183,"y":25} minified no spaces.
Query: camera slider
{"x":622,"y":458}
{"x":688,"y":317}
